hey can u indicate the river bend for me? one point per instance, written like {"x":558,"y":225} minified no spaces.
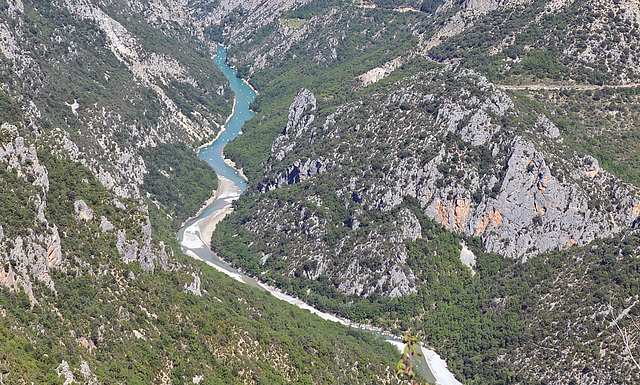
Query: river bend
{"x":195,"y":235}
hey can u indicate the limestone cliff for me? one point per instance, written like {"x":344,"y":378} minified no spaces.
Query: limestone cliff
{"x":103,"y":81}
{"x":31,"y":247}
{"x":474,"y":161}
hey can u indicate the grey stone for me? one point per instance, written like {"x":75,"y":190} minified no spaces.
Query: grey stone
{"x":410,"y":225}
{"x":548,"y":127}
{"x":299,"y":113}
{"x":299,"y":119}
{"x":65,"y":371}
{"x":83,"y":211}
{"x":483,"y":5}
{"x":467,"y":257}
{"x":105,"y":224}
{"x":194,"y":287}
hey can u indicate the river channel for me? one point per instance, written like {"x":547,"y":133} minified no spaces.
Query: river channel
{"x":195,"y":235}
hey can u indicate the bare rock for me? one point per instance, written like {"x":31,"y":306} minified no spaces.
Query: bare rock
{"x":146,"y":258}
{"x":105,"y":224}
{"x":86,"y":343}
{"x":8,"y":277}
{"x":483,"y":5}
{"x":296,"y":173}
{"x":299,"y":113}
{"x":548,"y":127}
{"x":299,"y":119}
{"x":23,"y":160}
{"x":66,"y":147}
{"x":146,"y":232}
{"x":65,"y":371}
{"x":402,"y":282}
{"x":410,"y":225}
{"x":498,"y":305}
{"x":467,"y":258}
{"x":54,"y":249}
{"x":128,"y":250}
{"x":194,"y":287}
{"x":138,"y":334}
{"x":85,"y":370}
{"x":83,"y":211}
{"x":15,"y":6}
{"x":374,"y":75}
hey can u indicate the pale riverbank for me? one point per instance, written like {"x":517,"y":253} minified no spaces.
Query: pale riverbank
{"x":195,"y":238}
{"x":228,"y":191}
{"x":198,"y":234}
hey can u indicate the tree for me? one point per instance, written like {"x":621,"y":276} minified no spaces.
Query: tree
{"x":404,"y":369}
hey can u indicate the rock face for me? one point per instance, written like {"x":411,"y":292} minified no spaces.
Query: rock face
{"x":21,"y":159}
{"x":301,"y":116}
{"x":455,"y":153}
{"x":194,"y":287}
{"x":65,"y":371}
{"x":468,"y":258}
{"x":30,"y":251}
{"x":147,"y":80}
{"x":33,"y":252}
{"x":142,"y":250}
{"x":532,"y":197}
{"x":376,"y":74}
{"x":483,"y":5}
{"x":83,"y":212}
{"x":130,"y":100}
{"x":105,"y":225}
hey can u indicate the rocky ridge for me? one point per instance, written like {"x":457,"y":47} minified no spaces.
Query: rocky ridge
{"x":31,"y":250}
{"x":37,"y":250}
{"x":472,"y":159}
{"x":588,"y":41}
{"x":124,"y":67}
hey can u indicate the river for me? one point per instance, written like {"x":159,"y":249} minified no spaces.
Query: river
{"x":195,"y":235}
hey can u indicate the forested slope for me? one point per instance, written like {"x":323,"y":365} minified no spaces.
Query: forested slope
{"x":397,"y":180}
{"x":102,"y":105}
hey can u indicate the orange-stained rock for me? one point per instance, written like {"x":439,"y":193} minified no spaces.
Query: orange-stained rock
{"x":85,"y":343}
{"x":494,"y":217}
{"x":442,"y":210}
{"x":461,"y":213}
{"x":636,"y":209}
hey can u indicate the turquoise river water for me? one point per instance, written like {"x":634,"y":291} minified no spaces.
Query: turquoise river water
{"x":190,"y":237}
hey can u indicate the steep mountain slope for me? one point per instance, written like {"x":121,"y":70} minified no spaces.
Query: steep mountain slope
{"x":90,"y":292}
{"x":468,"y":158}
{"x":580,"y":41}
{"x":101,"y":106}
{"x":77,"y":79}
{"x":116,"y":86}
{"x":380,"y":170}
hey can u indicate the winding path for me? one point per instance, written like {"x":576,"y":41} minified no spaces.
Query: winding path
{"x":560,"y":87}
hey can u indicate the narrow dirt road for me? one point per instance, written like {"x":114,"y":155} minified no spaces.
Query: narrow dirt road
{"x":559,"y":87}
